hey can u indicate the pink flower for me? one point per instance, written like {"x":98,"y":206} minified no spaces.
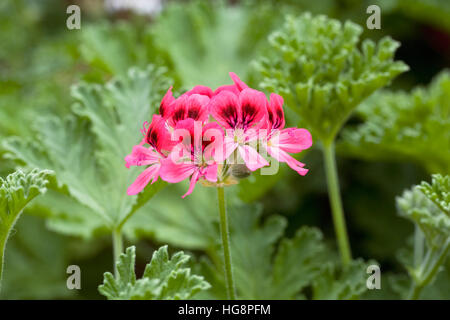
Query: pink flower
{"x":192,"y":104}
{"x":141,"y":156}
{"x":236,"y":88}
{"x":185,"y":141}
{"x":157,"y":136}
{"x":281,"y":141}
{"x":242,"y":115}
{"x":193,"y":156}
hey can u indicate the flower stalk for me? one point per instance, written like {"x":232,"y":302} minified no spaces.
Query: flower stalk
{"x":225,"y":234}
{"x":336,"y":203}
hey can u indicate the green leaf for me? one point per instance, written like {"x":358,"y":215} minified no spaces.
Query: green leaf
{"x":187,"y":223}
{"x":87,"y":148}
{"x":402,"y":126}
{"x":206,"y":40}
{"x":266,"y":265}
{"x":438,"y":191}
{"x":67,"y":216}
{"x":316,"y":64}
{"x":435,"y":12}
{"x":36,"y":262}
{"x":427,"y":206}
{"x":346,"y":284}
{"x":110,"y":49}
{"x":163,"y":279}
{"x":16,"y":191}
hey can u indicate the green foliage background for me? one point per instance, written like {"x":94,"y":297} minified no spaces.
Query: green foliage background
{"x":282,"y":234}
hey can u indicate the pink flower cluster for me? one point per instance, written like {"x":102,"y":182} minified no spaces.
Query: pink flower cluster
{"x":203,"y":134}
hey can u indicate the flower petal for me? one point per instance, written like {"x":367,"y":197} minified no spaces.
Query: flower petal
{"x":197,"y":107}
{"x":141,"y":156}
{"x":275,"y":112}
{"x":143,"y":179}
{"x":253,"y":160}
{"x":158,"y":136}
{"x":282,"y":156}
{"x":175,"y":172}
{"x":225,"y":108}
{"x":253,"y":105}
{"x":229,"y":87}
{"x":213,"y":142}
{"x":211,"y":173}
{"x":202,"y":90}
{"x":192,"y":183}
{"x":229,"y":146}
{"x":240,"y":85}
{"x":164,"y":108}
{"x":294,"y":140}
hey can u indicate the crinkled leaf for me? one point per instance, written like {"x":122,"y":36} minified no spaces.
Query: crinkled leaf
{"x":16,"y":191}
{"x":427,"y":206}
{"x":316,"y":64}
{"x":438,"y":191}
{"x":412,"y":127}
{"x":164,"y":278}
{"x":266,"y":265}
{"x":86,"y":150}
{"x":345,"y":284}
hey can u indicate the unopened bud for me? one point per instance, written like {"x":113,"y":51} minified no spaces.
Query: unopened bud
{"x":240,"y":171}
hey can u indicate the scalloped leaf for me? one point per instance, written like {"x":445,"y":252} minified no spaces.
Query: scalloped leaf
{"x":87,"y":148}
{"x":427,"y":206}
{"x":409,"y":127}
{"x":315,"y":63}
{"x":346,"y":284}
{"x":266,"y":265}
{"x":16,"y":191}
{"x":164,"y":278}
{"x":438,"y":191}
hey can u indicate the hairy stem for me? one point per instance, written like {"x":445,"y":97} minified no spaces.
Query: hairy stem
{"x":117,"y":246}
{"x":224,"y":232}
{"x":336,"y":203}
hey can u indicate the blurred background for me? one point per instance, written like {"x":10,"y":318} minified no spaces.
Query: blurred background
{"x":198,"y":42}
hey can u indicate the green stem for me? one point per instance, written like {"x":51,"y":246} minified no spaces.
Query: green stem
{"x":2,"y":258}
{"x":435,"y":258}
{"x":336,"y":203}
{"x":117,"y":246}
{"x":419,"y":240}
{"x":415,"y":291}
{"x":224,"y":232}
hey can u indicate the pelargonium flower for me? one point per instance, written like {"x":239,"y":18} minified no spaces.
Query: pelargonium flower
{"x":194,"y":156}
{"x":199,"y":134}
{"x":160,"y":143}
{"x":282,"y":141}
{"x":241,"y":115}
